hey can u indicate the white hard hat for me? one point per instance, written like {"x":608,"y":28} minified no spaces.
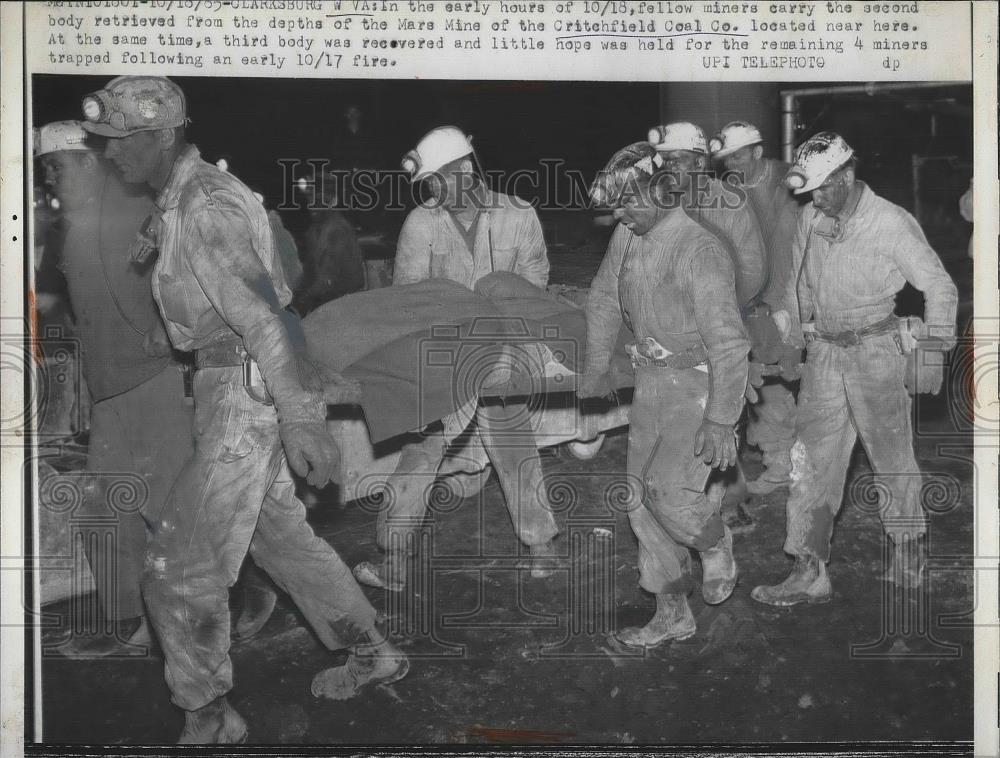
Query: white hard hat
{"x":679,"y":135}
{"x":59,"y":136}
{"x":437,"y":148}
{"x":732,"y":137}
{"x":817,"y":158}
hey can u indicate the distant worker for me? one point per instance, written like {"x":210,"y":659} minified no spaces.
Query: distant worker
{"x":740,"y":146}
{"x":332,"y":262}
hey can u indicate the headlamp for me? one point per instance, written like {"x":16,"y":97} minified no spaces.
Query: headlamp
{"x":715,"y":145}
{"x":655,"y":136}
{"x":95,"y":107}
{"x":411,"y":162}
{"x":795,"y":179}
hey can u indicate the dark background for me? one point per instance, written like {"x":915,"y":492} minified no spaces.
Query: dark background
{"x":515,"y":124}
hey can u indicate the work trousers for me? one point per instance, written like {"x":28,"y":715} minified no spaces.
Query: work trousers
{"x":846,"y":393}
{"x":772,"y":428}
{"x":671,"y":510}
{"x":508,"y":436}
{"x":236,"y":493}
{"x":139,"y":442}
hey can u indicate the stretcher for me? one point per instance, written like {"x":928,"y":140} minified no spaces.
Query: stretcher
{"x":557,"y":417}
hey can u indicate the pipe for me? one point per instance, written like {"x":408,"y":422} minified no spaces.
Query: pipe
{"x":868,"y":88}
{"x":789,"y":104}
{"x":788,"y":108}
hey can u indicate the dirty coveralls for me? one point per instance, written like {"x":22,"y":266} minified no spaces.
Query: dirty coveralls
{"x":432,"y":246}
{"x":218,"y":281}
{"x":676,"y":284}
{"x":848,"y":392}
{"x":140,"y":426}
{"x":771,"y":425}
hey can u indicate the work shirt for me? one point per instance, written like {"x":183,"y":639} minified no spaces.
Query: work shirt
{"x":852,"y":281}
{"x":111,"y":297}
{"x":508,"y":238}
{"x":721,"y":210}
{"x":676,"y":284}
{"x":218,"y":277}
{"x":776,"y":214}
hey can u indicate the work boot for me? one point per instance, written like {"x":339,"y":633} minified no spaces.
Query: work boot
{"x":375,"y":661}
{"x":217,"y":723}
{"x":390,"y":574}
{"x":808,"y":583}
{"x":718,"y":570}
{"x":258,"y":604}
{"x":132,"y":638}
{"x":908,"y":562}
{"x":541,"y":559}
{"x":673,"y":621}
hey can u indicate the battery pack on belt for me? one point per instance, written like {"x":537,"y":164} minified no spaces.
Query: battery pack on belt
{"x":226,"y":354}
{"x":649,"y":352}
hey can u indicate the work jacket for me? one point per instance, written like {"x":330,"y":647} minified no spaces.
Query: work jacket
{"x":676,"y":284}
{"x":850,"y":281}
{"x":218,"y":278}
{"x":722,"y":211}
{"x":508,"y":238}
{"x":110,"y":295}
{"x":776,"y":214}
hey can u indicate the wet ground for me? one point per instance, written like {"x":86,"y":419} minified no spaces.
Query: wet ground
{"x":500,"y":657}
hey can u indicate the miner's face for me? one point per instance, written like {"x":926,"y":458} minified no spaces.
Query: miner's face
{"x":137,"y":156}
{"x":681,"y":166}
{"x":744,"y":160}
{"x":69,"y":175}
{"x":831,"y":196}
{"x":451,"y":185}
{"x":637,"y":208}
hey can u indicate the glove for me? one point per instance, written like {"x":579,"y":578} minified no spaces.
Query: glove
{"x":716,"y":444}
{"x":311,"y":451}
{"x":924,"y":372}
{"x":755,"y":380}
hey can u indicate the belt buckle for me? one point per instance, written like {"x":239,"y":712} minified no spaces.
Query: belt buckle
{"x":849,"y":338}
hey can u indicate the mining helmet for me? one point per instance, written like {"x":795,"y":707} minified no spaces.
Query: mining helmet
{"x":58,"y":136}
{"x":130,"y":104}
{"x":732,"y":137}
{"x":679,"y":135}
{"x":817,"y":158}
{"x":625,"y":166}
{"x":438,"y":147}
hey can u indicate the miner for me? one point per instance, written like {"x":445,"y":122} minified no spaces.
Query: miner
{"x":720,"y":209}
{"x":140,"y":425}
{"x":259,"y":411}
{"x":673,"y":284}
{"x":739,"y":147}
{"x":853,"y":252}
{"x":464,"y":232}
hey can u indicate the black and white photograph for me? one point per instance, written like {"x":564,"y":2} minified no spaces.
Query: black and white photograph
{"x":639,"y":416}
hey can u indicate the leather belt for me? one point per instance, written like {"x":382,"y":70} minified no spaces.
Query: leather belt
{"x":853,"y":337}
{"x":220,"y":355}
